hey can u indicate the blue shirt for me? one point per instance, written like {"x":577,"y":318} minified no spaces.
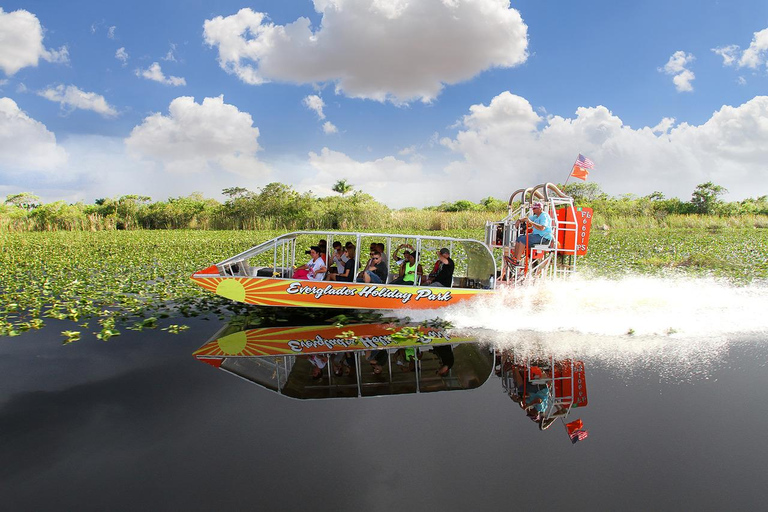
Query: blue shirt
{"x":542,"y":393}
{"x":545,"y":220}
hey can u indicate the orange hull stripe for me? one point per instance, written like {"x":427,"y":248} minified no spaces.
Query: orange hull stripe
{"x":325,"y":294}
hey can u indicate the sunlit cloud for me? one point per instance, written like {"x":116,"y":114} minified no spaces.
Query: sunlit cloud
{"x":416,"y":49}
{"x":22,"y":42}
{"x":155,"y":73}
{"x":72,"y":98}
{"x":677,"y":67}
{"x":206,"y":137}
{"x":26,"y":145}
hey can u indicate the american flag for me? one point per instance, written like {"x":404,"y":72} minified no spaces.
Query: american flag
{"x":579,"y":435}
{"x":584,"y":162}
{"x":576,"y":431}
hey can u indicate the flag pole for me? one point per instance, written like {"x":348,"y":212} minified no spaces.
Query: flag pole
{"x":570,"y":172}
{"x":562,"y":420}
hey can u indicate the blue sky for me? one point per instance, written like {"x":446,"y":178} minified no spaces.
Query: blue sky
{"x":412,"y":101}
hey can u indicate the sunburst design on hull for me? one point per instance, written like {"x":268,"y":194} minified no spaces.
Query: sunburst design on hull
{"x":268,"y":341}
{"x":274,"y":292}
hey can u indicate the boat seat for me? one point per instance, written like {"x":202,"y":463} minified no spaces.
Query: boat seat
{"x":268,"y":272}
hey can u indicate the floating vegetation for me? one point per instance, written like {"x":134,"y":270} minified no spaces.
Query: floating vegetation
{"x":737,"y":254}
{"x":107,"y":281}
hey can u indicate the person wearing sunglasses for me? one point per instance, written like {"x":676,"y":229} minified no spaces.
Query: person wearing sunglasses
{"x":376,"y":271}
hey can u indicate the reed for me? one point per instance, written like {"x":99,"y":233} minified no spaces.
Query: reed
{"x":363,"y":215}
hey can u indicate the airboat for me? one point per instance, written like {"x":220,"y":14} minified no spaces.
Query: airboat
{"x":264,"y":274}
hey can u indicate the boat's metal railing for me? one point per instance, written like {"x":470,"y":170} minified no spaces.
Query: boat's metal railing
{"x":284,"y":249}
{"x":274,"y":372}
{"x":560,"y":378}
{"x":541,"y":260}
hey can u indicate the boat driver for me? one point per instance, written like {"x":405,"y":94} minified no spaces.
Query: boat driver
{"x":541,"y":223}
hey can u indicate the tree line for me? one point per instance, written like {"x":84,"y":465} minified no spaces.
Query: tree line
{"x":279,"y":206}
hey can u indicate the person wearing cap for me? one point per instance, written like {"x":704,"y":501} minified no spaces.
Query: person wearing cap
{"x":541,"y":223}
{"x":442,"y":273}
{"x":315,"y":267}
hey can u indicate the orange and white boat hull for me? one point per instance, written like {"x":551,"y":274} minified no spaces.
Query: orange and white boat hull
{"x":265,"y":291}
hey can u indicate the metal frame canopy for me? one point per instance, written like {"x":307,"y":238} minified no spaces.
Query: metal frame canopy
{"x":473,"y":259}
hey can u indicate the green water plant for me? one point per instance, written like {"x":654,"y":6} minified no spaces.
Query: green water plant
{"x":103,"y":281}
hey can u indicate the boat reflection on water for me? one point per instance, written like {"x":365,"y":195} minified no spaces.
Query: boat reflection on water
{"x":354,"y":360}
{"x":390,"y":357}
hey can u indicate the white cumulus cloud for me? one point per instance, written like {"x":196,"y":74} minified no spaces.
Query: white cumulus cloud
{"x":753,"y":57}
{"x":211,"y":136}
{"x":155,"y":73}
{"x":507,"y":142}
{"x":681,"y":75}
{"x":730,"y":54}
{"x":329,"y":127}
{"x":378,"y":49}
{"x":26,"y":144}
{"x":72,"y":98}
{"x":21,"y":42}
{"x":388,"y":179}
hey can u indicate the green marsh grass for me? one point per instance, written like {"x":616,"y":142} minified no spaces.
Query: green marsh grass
{"x":102,"y":282}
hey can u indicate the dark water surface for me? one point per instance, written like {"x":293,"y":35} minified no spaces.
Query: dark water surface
{"x":136,"y":423}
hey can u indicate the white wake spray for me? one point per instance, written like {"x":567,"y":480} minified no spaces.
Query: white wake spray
{"x":678,"y":324}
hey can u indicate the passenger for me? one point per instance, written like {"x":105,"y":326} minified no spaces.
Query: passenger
{"x":406,"y":358}
{"x":338,"y":259}
{"x":342,"y":363}
{"x":318,"y":362}
{"x":442,"y":273}
{"x":408,"y":270}
{"x":381,"y":248}
{"x":373,"y":248}
{"x":378,"y":358}
{"x":314,"y":269}
{"x":541,"y":223}
{"x":349,"y":266}
{"x":323,"y":245}
{"x":396,"y":256}
{"x":377,"y":271}
{"x":445,"y":353}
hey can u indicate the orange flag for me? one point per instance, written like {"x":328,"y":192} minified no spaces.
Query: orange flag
{"x":579,"y":172}
{"x":574,"y":426}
